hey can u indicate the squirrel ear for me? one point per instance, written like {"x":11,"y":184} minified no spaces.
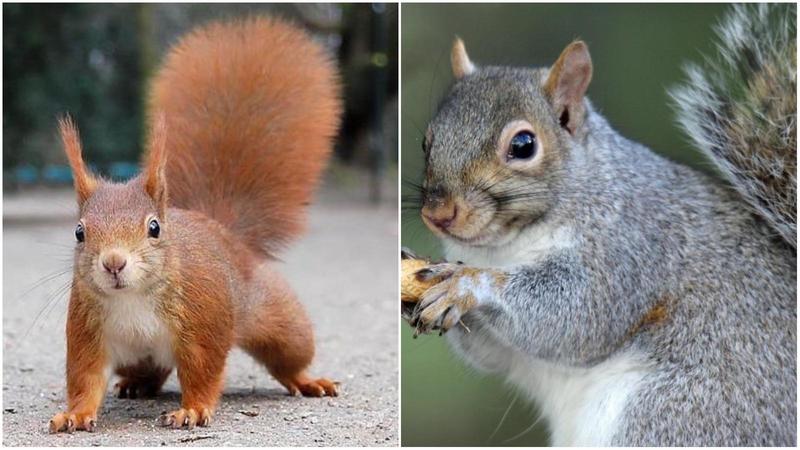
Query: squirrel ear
{"x":459,"y":59}
{"x":155,"y":181}
{"x":85,"y":183}
{"x":567,"y":83}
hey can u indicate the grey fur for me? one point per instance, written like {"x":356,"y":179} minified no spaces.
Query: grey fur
{"x":743,"y":113}
{"x":647,"y":232}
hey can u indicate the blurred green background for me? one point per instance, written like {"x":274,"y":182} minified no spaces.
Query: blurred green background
{"x":94,"y":61}
{"x":637,"y":51}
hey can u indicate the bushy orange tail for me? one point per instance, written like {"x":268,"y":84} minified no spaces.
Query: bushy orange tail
{"x":251,"y":107}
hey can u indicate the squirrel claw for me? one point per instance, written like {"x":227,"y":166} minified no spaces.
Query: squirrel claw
{"x":441,"y":308}
{"x":186,"y":418}
{"x":71,"y":422}
{"x":165,"y":420}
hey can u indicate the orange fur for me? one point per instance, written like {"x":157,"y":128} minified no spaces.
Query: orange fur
{"x":85,"y":183}
{"x":86,"y":359}
{"x":155,"y":181}
{"x":252,"y":107}
{"x":279,"y":335}
{"x":655,"y":316}
{"x":240,"y":133}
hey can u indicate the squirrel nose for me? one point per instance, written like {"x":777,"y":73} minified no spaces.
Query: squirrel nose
{"x":440,"y":214}
{"x":114,"y":262}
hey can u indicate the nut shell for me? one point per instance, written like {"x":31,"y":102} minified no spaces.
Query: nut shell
{"x":412,"y":289}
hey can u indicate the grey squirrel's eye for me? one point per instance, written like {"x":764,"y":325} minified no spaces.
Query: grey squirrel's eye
{"x":153,"y":228}
{"x":522,"y":146}
{"x":80,"y":234}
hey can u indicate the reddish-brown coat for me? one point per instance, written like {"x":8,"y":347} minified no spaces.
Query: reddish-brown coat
{"x":234,"y":154}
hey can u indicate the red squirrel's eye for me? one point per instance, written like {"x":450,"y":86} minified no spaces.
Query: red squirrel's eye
{"x":522,"y":146}
{"x":153,"y":228}
{"x":80,"y":233}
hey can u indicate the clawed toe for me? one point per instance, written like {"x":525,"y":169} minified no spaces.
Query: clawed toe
{"x":188,"y":418}
{"x":71,"y":422}
{"x":320,"y":387}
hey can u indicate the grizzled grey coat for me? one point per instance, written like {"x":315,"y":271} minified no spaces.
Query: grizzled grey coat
{"x":638,"y":301}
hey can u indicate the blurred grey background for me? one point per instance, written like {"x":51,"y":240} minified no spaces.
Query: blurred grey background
{"x":637,"y":51}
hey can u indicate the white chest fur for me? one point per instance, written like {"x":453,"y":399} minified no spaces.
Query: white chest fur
{"x":133,"y":330}
{"x":530,"y":244}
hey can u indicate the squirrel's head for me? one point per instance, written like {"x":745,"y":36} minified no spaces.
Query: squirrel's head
{"x":497,"y":145}
{"x":121,"y":234}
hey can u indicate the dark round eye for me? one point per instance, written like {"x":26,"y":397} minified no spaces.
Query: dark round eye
{"x":523,"y":146}
{"x":80,"y":234}
{"x":153,"y":228}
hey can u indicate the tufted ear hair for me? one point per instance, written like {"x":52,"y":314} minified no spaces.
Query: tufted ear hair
{"x":154,"y":171}
{"x":567,"y":83}
{"x":459,"y":59}
{"x":85,"y":183}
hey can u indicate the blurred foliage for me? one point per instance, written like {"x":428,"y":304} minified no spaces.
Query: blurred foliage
{"x":93,"y":61}
{"x":75,"y":58}
{"x":637,"y":51}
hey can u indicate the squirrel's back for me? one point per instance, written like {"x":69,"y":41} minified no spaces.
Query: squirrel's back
{"x":742,"y":111}
{"x":252,"y":107}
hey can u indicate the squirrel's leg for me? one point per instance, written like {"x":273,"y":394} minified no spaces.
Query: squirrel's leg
{"x":547,"y":309}
{"x":201,"y":370}
{"x":143,"y":380}
{"x":279,"y":335}
{"x":200,"y":350}
{"x":201,"y":375}
{"x":86,"y":362}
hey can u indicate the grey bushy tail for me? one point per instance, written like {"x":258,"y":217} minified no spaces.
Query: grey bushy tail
{"x":741,"y":110}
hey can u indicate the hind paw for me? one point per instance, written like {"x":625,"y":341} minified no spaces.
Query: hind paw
{"x":128,"y":388}
{"x":320,"y":387}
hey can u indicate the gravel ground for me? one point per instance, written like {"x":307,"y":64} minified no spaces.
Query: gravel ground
{"x":345,"y":272}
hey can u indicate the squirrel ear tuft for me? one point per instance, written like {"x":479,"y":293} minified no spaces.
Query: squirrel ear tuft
{"x":155,"y":181}
{"x":567,"y":83}
{"x":85,"y":183}
{"x":459,"y":59}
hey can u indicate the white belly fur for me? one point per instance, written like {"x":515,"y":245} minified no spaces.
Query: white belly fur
{"x":583,"y":406}
{"x":133,"y":331}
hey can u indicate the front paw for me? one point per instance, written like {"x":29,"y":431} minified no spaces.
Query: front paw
{"x":443,"y":305}
{"x":186,"y":417}
{"x":460,"y":290}
{"x":71,"y":421}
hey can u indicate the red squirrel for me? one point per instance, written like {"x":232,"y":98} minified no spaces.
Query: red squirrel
{"x":175,"y":266}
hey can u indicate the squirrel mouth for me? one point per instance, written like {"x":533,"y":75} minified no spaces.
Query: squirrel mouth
{"x":119,"y":284}
{"x":477,"y":239}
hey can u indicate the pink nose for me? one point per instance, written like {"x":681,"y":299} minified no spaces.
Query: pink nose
{"x":441,"y":215}
{"x":114,"y":263}
{"x":441,"y":223}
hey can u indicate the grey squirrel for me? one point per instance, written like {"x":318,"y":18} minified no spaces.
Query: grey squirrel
{"x":638,"y":301}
